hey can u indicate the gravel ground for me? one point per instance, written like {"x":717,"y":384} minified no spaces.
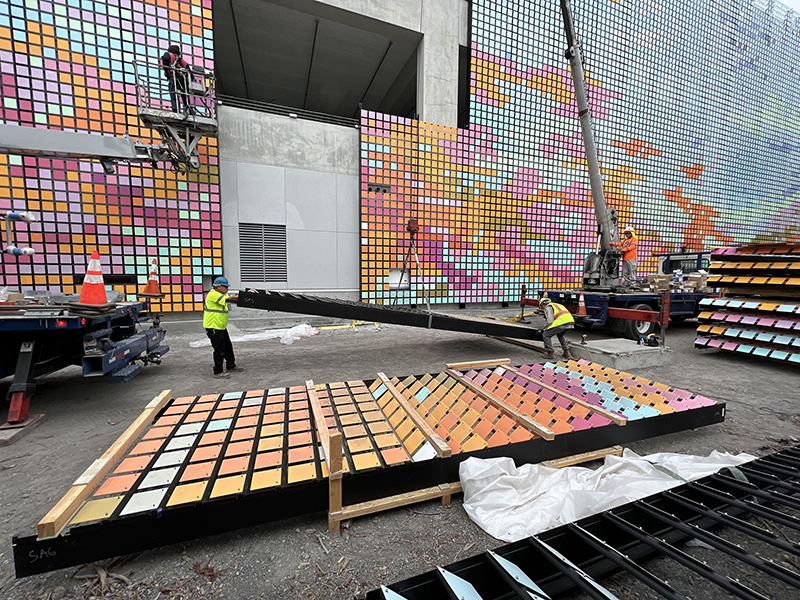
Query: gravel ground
{"x":298,"y":558}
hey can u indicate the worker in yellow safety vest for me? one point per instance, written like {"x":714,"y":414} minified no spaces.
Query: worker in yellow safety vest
{"x":559,"y":321}
{"x":215,"y":321}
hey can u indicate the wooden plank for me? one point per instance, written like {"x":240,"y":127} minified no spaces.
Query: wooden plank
{"x":335,"y":482}
{"x":55,"y":520}
{"x":522,"y":343}
{"x":615,"y":418}
{"x":441,"y":447}
{"x":319,"y":421}
{"x":512,"y":412}
{"x":479,"y":364}
{"x":582,"y":458}
{"x":381,"y":504}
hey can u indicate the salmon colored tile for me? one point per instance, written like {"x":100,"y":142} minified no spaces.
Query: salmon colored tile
{"x":302,"y":472}
{"x":115,"y":485}
{"x":176,"y":410}
{"x":216,"y":437}
{"x":183,"y":400}
{"x":237,"y":448}
{"x":246,"y":433}
{"x":274,"y":418}
{"x":301,"y":454}
{"x":300,"y":439}
{"x":136,"y":463}
{"x":386,"y":440}
{"x":270,"y":443}
{"x":265,"y":479}
{"x":483,"y":428}
{"x":504,"y":424}
{"x":226,"y":486}
{"x":224,"y":414}
{"x":254,"y":393}
{"x":197,"y":417}
{"x":250,"y":411}
{"x":346,"y":409}
{"x":204,"y":406}
{"x":365,"y":461}
{"x":497,"y":439}
{"x":228,"y":404}
{"x":520,"y":434}
{"x":268,"y":459}
{"x":393,"y":456}
{"x":190,"y":492}
{"x":94,"y":510}
{"x":299,"y":415}
{"x":172,"y":420}
{"x":275,"y":429}
{"x":234,"y":465}
{"x":208,"y":398}
{"x":198,"y":471}
{"x":146,"y":447}
{"x":273,"y":408}
{"x":448,"y":421}
{"x":157,"y":432}
{"x":297,"y":426}
{"x":354,"y":431}
{"x":298,"y":405}
{"x":379,"y":427}
{"x":206,"y":453}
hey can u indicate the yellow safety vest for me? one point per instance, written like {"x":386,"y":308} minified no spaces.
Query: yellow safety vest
{"x":215,"y":310}
{"x":561,"y":316}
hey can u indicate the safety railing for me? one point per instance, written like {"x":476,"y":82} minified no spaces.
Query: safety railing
{"x":188,"y":91}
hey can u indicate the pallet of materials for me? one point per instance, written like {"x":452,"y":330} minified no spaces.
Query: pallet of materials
{"x":198,"y":465}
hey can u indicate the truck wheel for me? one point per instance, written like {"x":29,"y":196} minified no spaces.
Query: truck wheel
{"x":635,"y":329}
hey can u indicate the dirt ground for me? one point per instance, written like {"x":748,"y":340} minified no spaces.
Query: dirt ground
{"x":298,"y":558}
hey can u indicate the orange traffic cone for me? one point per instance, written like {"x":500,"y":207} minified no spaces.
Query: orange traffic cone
{"x":152,"y":289}
{"x":581,"y":307}
{"x":93,"y":290}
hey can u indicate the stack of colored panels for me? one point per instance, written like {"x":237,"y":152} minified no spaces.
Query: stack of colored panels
{"x":236,"y":459}
{"x":758,"y":314}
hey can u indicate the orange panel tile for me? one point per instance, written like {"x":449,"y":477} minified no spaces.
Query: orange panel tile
{"x":265,"y":479}
{"x":248,"y":411}
{"x":301,"y":454}
{"x":197,"y":417}
{"x":270,"y":443}
{"x":394,"y":456}
{"x":223,"y":414}
{"x":146,"y":447}
{"x":272,"y":419}
{"x":380,"y":427}
{"x":473,"y":443}
{"x":115,"y":485}
{"x":226,"y":486}
{"x":386,"y":440}
{"x":302,"y":472}
{"x":206,"y":453}
{"x":246,"y":433}
{"x":275,"y":429}
{"x":234,"y":465}
{"x":296,"y":426}
{"x":367,"y":460}
{"x":354,"y":431}
{"x":198,"y":471}
{"x":216,"y":437}
{"x":254,"y":394}
{"x":136,"y":463}
{"x":172,"y":420}
{"x":247,"y":421}
{"x":300,"y":439}
{"x":191,"y":492}
{"x":268,"y":459}
{"x":237,"y":448}
{"x":228,"y":404}
{"x":349,"y":419}
{"x":157,"y":432}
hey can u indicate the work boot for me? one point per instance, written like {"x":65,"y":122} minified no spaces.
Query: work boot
{"x":237,"y":369}
{"x":566,"y":354}
{"x":221,"y":376}
{"x":549,"y":354}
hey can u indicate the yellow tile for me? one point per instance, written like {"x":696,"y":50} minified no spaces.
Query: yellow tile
{"x":414,"y":441}
{"x":379,"y":427}
{"x":397,"y":417}
{"x":476,"y":442}
{"x":460,"y":433}
{"x":359,"y":444}
{"x":270,"y":443}
{"x":404,"y":428}
{"x":302,"y":472}
{"x":191,"y":492}
{"x":274,"y":429}
{"x":386,"y":440}
{"x":349,"y":420}
{"x":365,"y":461}
{"x":265,"y":479}
{"x":470,"y":417}
{"x":96,"y":509}
{"x":225,"y":486}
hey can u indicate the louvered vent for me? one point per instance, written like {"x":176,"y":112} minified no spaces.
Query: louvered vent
{"x":262,"y":252}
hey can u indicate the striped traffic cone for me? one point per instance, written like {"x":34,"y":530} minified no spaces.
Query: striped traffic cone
{"x":581,"y":307}
{"x":93,"y":291}
{"x":152,"y":288}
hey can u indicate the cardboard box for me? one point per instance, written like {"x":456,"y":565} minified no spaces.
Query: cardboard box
{"x":14,"y":296}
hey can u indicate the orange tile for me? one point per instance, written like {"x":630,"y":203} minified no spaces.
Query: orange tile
{"x":198,"y":471}
{"x":216,"y":437}
{"x":265,"y":479}
{"x":115,"y":485}
{"x":183,"y":400}
{"x":223,"y":414}
{"x":296,"y":426}
{"x":136,"y":463}
{"x":191,"y":492}
{"x":365,"y":461}
{"x":250,"y":411}
{"x":228,"y":404}
{"x":300,"y":439}
{"x":234,"y":465}
{"x":273,"y":418}
{"x":206,"y":453}
{"x":473,"y":443}
{"x":246,"y":422}
{"x":394,"y":456}
{"x":237,"y":448}
{"x":254,"y":394}
{"x":270,"y":443}
{"x":176,"y":410}
{"x":157,"y":432}
{"x":246,"y":433}
{"x":146,"y":447}
{"x":297,"y":455}
{"x":172,"y":420}
{"x":520,"y":434}
{"x":268,"y":459}
{"x":226,"y":486}
{"x":302,"y":472}
{"x":197,"y":417}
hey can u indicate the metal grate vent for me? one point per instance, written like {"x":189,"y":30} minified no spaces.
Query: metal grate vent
{"x":262,"y":252}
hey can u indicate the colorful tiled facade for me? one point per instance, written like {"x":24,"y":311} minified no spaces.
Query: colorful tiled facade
{"x":68,"y":64}
{"x":695,"y":116}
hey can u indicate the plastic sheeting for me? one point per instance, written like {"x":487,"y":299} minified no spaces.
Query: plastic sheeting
{"x":287,"y":336}
{"x":511,"y":503}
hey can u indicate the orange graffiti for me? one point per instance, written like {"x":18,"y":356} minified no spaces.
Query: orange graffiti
{"x":637,"y":148}
{"x":695,"y":171}
{"x":701,"y":224}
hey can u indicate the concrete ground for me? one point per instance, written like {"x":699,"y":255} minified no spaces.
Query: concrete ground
{"x":298,"y":558}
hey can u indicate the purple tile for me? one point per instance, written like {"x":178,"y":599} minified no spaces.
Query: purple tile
{"x":598,"y":420}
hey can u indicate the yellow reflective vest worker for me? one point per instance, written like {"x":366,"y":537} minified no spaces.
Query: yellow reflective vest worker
{"x":561,"y":316}
{"x":215,"y":311}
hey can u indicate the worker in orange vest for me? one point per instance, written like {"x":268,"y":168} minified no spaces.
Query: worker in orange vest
{"x":176,"y":71}
{"x":559,"y":321}
{"x":630,"y":257}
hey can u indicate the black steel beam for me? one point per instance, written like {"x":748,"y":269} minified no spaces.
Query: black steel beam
{"x":751,"y":507}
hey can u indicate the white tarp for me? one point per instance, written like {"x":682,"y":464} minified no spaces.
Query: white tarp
{"x":287,"y":336}
{"x":512,"y":503}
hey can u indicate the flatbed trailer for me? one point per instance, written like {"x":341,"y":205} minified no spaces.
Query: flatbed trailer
{"x":107,"y":340}
{"x":635,"y":314}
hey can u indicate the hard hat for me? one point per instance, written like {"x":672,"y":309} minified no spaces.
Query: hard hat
{"x":544,"y":301}
{"x":221,"y":281}
{"x":629,"y":228}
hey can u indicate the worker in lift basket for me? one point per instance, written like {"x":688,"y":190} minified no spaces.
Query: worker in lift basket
{"x":559,"y":321}
{"x":215,"y":321}
{"x":176,"y":70}
{"x":629,"y":256}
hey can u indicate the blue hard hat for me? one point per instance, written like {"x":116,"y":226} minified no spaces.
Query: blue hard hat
{"x":221,"y":281}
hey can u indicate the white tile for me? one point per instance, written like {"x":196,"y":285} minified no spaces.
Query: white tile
{"x":169,"y":459}
{"x":159,"y":477}
{"x":232,"y":396}
{"x":144,"y":501}
{"x":181,"y":442}
{"x":219,"y":424}
{"x":189,"y":429}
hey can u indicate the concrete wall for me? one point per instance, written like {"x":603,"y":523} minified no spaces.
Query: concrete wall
{"x":301,"y":174}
